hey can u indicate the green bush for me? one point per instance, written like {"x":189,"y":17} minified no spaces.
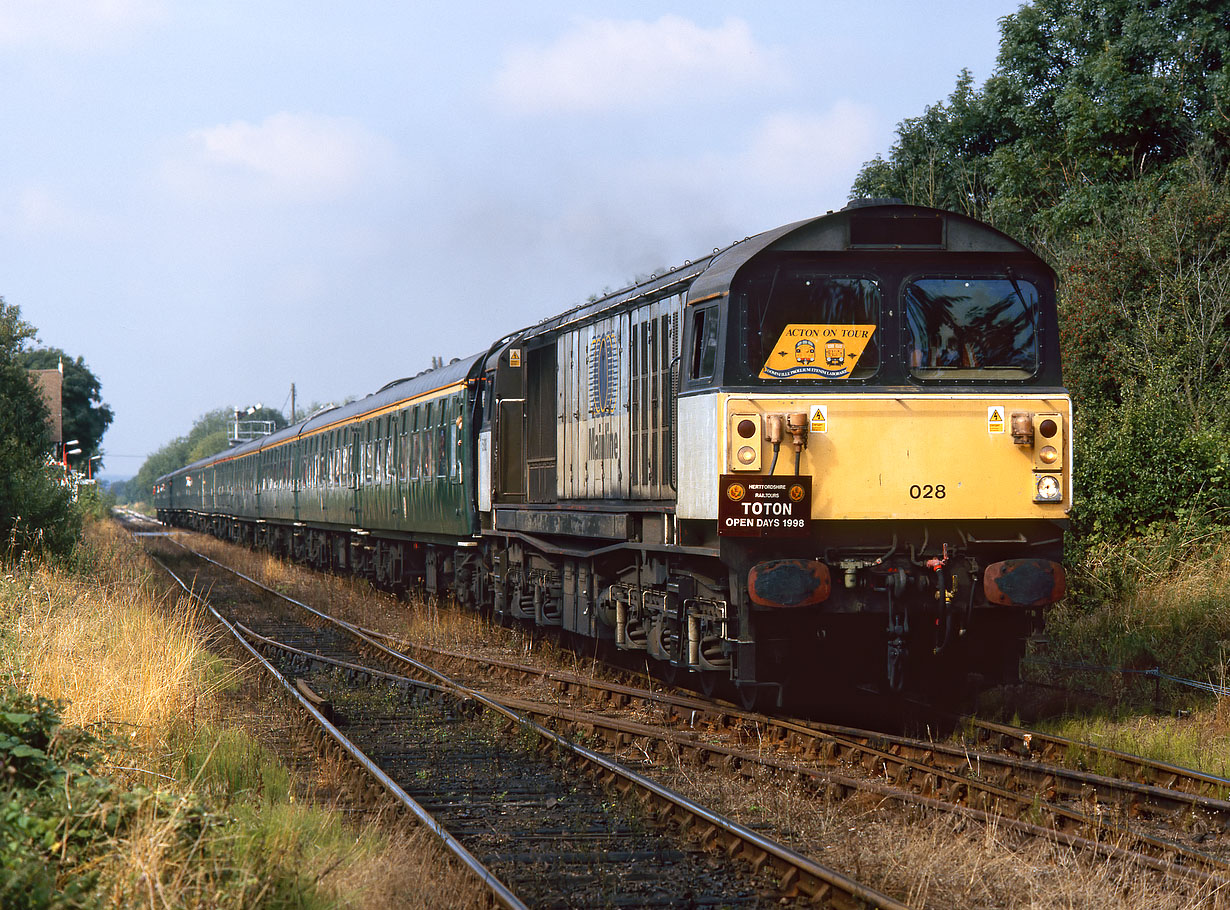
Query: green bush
{"x":57,"y":816}
{"x":1143,"y":462}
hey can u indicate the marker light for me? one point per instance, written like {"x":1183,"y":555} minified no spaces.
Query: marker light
{"x":743,"y":439}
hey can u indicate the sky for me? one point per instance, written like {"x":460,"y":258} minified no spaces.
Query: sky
{"x":212,"y":200}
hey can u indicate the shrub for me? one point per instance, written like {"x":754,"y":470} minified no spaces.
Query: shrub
{"x":57,"y":816}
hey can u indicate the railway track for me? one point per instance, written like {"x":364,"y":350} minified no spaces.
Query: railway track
{"x":1016,"y":759}
{"x":1046,"y":747}
{"x":1125,"y":819}
{"x":537,"y":824}
{"x":1113,"y":817}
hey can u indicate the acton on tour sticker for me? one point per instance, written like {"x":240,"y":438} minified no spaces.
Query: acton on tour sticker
{"x":817,"y":351}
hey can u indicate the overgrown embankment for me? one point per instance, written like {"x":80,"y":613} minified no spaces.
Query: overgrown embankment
{"x":1142,"y":616}
{"x":127,"y":780}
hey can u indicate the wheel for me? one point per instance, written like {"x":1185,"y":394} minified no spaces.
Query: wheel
{"x":709,"y":680}
{"x":668,"y":673}
{"x":749,"y":697}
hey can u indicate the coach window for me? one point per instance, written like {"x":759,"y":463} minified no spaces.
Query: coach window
{"x":704,"y":343}
{"x":442,"y":441}
{"x":384,"y":469}
{"x":429,"y":464}
{"x":367,"y":452}
{"x":403,"y":448}
{"x":376,"y":455}
{"x":390,"y":448}
{"x":971,"y":327}
{"x":795,"y":323}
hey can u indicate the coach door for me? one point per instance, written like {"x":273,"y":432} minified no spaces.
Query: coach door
{"x":356,"y":473}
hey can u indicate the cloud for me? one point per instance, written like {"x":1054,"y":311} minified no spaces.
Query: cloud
{"x":793,"y":148}
{"x":74,"y":23}
{"x":37,"y":210}
{"x":626,"y":214}
{"x":608,"y":64}
{"x":285,"y":158}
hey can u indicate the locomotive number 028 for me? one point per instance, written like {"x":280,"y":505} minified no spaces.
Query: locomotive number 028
{"x":928,"y":491}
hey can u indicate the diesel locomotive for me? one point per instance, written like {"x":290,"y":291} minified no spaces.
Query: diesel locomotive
{"x":840,"y":450}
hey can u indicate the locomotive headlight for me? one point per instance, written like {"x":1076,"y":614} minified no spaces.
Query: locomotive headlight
{"x":1048,"y":455}
{"x":1048,"y":489}
{"x":746,"y":455}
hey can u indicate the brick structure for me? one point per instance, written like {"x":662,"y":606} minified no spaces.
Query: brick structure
{"x":51,"y":384}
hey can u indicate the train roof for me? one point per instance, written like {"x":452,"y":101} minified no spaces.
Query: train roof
{"x":882,"y":224}
{"x":387,"y":396}
{"x":887,"y":225}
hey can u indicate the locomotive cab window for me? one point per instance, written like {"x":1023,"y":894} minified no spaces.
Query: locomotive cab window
{"x":794,"y":323}
{"x":704,"y":343}
{"x":971,"y":327}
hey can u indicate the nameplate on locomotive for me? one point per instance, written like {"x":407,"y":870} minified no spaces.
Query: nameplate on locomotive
{"x":764,"y":505}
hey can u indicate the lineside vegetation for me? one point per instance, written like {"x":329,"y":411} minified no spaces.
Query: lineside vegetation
{"x":127,"y":780}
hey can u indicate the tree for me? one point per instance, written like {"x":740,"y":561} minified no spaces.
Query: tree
{"x":1087,"y":96}
{"x":85,"y":416}
{"x":35,"y":510}
{"x":1147,"y":297}
{"x":939,"y":159}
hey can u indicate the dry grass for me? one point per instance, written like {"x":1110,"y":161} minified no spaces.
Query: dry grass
{"x":126,"y":659}
{"x":1161,"y":601}
{"x":936,"y":860}
{"x":103,"y":644}
{"x":412,"y":619}
{"x":1158,"y":601}
{"x":1199,"y":739}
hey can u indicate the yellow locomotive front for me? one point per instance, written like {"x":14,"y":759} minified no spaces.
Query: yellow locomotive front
{"x":890,"y":511}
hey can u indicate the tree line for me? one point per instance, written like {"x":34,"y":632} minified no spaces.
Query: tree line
{"x":208,"y":436}
{"x":1102,"y":139}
